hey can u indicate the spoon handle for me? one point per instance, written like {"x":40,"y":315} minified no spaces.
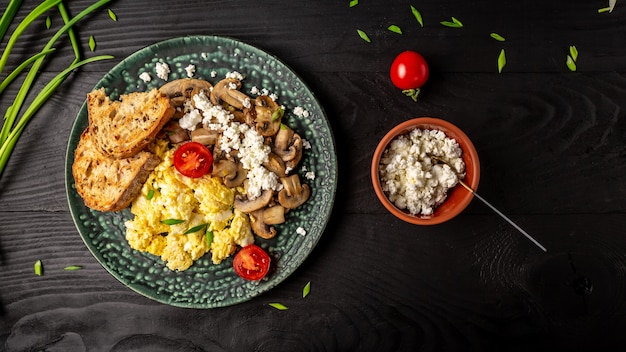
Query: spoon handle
{"x":503,"y":216}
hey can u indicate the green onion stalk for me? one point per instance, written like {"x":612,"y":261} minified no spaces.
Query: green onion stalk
{"x":12,"y":126}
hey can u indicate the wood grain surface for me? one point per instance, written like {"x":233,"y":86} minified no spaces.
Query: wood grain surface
{"x":552,"y":147}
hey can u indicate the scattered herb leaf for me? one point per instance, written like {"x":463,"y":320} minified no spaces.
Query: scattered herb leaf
{"x":92,"y":43}
{"x":501,"y":61}
{"x":48,"y":22}
{"x":571,"y":64}
{"x":573,"y":52}
{"x":209,"y":238}
{"x":278,"y":114}
{"x":72,"y":267}
{"x":278,"y":306}
{"x":417,"y":15}
{"x":195,"y":229}
{"x":395,"y":29}
{"x":306,"y":290}
{"x":38,"y":268}
{"x":497,"y":37}
{"x":112,"y":15}
{"x":363,"y":35}
{"x":353,"y":3}
{"x":451,"y":24}
{"x":150,"y":194}
{"x":172,"y":221}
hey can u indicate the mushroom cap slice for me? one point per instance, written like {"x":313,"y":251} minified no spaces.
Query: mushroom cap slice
{"x":293,"y":193}
{"x":232,"y":173}
{"x":184,"y":89}
{"x":260,"y":221}
{"x":268,"y":116}
{"x":227,"y":91}
{"x":246,"y":205}
{"x":288,"y":145}
{"x":276,"y":165}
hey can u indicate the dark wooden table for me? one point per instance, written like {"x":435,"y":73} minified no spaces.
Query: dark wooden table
{"x":552,"y":145}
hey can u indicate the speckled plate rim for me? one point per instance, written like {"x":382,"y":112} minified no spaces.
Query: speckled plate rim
{"x":245,"y":290}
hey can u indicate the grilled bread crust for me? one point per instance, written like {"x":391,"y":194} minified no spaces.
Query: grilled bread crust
{"x":106,"y":183}
{"x":123,"y":128}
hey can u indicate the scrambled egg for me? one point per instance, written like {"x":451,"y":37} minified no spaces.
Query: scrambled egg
{"x":170,"y":205}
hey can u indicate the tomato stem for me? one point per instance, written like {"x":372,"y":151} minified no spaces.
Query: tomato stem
{"x":412,"y":93}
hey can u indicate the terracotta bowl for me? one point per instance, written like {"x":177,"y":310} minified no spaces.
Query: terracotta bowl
{"x":458,"y":197}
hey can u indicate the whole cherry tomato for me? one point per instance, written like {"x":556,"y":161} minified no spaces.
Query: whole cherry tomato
{"x":409,"y":72}
{"x":251,"y":262}
{"x":193,"y":159}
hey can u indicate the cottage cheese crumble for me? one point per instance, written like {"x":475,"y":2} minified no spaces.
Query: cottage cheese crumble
{"x":411,"y":180}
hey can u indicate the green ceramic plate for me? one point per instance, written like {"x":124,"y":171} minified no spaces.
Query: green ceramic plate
{"x":206,"y":285}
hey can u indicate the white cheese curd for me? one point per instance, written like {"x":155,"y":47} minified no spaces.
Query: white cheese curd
{"x":301,"y":231}
{"x":190,"y":120}
{"x":300,"y":111}
{"x":145,"y":76}
{"x":162,"y":70}
{"x":191,"y":70}
{"x":411,"y":179}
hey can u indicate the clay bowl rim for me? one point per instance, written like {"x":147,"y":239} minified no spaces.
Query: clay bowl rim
{"x":458,"y":197}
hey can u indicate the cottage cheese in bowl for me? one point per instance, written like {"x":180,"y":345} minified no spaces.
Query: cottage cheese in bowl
{"x":417,"y":166}
{"x":410,"y":176}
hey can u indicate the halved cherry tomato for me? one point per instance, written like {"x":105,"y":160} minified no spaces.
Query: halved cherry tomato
{"x":251,"y":262}
{"x":409,"y":72}
{"x":193,"y":159}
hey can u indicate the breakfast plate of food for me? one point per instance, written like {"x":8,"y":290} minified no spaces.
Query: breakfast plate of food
{"x":201,"y":171}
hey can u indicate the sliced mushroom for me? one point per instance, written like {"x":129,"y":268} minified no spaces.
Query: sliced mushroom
{"x":246,"y":205}
{"x":233,"y":174}
{"x":293,"y":193}
{"x":268,"y":115}
{"x":288,"y":145}
{"x":276,"y":165}
{"x":261,"y":220}
{"x":184,"y":89}
{"x":227,"y":91}
{"x":175,"y":133}
{"x":204,"y":136}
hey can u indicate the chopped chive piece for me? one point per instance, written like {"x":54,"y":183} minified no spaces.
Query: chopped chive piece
{"x":604,"y":9}
{"x":38,"y":268}
{"x":451,"y":24}
{"x":112,"y":15}
{"x":571,"y":64}
{"x":417,"y":15}
{"x":48,"y":22}
{"x":278,"y":306}
{"x":150,"y":194}
{"x":501,"y":61}
{"x":612,"y":5}
{"x":209,"y":238}
{"x":456,"y":20}
{"x":395,"y":29}
{"x":172,"y":221}
{"x":278,"y":114}
{"x":363,"y":36}
{"x":497,"y":37}
{"x":306,"y":290}
{"x":92,"y":43}
{"x":195,"y":229}
{"x":72,"y":267}
{"x":573,"y":52}
{"x":353,"y":3}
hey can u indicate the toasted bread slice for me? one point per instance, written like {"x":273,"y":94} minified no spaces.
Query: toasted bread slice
{"x":123,"y":128}
{"x":106,"y":183}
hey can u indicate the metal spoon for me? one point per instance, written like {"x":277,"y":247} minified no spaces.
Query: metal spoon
{"x":469,"y":189}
